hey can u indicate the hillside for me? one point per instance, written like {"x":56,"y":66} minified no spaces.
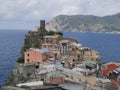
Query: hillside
{"x":85,"y":23}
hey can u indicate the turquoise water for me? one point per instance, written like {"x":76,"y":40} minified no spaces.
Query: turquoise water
{"x":12,"y":40}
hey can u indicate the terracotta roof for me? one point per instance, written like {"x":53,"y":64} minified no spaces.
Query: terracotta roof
{"x":43,"y":50}
{"x":110,"y":67}
{"x":70,"y":39}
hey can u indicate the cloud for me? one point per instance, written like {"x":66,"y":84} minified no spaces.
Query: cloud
{"x":103,"y":7}
{"x":33,"y":10}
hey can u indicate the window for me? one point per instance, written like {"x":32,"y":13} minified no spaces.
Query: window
{"x":28,"y":54}
{"x":51,"y":41}
{"x":28,"y":60}
{"x":66,"y":75}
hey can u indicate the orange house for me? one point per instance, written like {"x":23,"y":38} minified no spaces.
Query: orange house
{"x":32,"y":55}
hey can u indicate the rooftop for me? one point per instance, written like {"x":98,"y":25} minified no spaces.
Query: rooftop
{"x":103,"y":80}
{"x":70,"y":39}
{"x":64,"y":41}
{"x":53,"y":36}
{"x":30,"y":84}
{"x":72,"y":86}
{"x":43,"y":50}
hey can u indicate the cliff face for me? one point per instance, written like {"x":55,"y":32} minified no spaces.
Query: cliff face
{"x":85,"y":23}
{"x":20,"y":74}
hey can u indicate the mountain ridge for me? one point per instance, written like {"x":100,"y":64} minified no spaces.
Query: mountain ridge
{"x":85,"y":23}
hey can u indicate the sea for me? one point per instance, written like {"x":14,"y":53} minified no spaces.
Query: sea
{"x":11,"y":41}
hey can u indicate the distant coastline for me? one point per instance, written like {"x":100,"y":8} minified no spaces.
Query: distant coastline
{"x":96,"y":32}
{"x":85,"y":23}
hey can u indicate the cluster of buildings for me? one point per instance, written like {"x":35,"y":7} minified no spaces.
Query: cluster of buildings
{"x":64,"y":61}
{"x":56,"y":47}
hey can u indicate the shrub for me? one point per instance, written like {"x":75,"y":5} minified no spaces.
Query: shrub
{"x":20,"y":60}
{"x":59,"y":33}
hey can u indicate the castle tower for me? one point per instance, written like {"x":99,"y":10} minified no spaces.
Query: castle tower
{"x":42,"y":25}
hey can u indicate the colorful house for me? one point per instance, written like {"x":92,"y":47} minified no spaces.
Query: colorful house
{"x":51,"y":42}
{"x":33,"y":55}
{"x":65,"y":46}
{"x":91,"y":55}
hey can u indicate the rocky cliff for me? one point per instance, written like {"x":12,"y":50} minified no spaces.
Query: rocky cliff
{"x":85,"y":23}
{"x":33,"y":39}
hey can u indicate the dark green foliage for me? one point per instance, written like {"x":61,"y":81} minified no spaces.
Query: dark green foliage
{"x":53,"y":33}
{"x":50,"y":33}
{"x":59,"y":33}
{"x":20,"y":60}
{"x":26,"y":46}
{"x":41,"y":35}
{"x":34,"y":40}
{"x":26,"y":41}
{"x":36,"y":45}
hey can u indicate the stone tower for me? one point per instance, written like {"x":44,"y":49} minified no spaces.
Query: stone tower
{"x":42,"y":25}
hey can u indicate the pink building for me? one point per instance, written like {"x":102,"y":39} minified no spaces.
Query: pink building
{"x":51,"y":42}
{"x":33,"y":56}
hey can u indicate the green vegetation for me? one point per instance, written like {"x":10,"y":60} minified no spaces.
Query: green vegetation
{"x":53,"y":33}
{"x":34,"y":40}
{"x":20,"y":60}
{"x":50,"y":33}
{"x":59,"y":33}
{"x":25,"y":47}
{"x":36,"y":45}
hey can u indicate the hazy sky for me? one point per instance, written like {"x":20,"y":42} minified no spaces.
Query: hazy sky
{"x":25,"y":14}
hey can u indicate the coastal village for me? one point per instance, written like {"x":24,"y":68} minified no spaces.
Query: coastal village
{"x":50,"y":61}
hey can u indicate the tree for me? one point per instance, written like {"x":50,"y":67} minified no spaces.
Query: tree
{"x":36,"y":45}
{"x":60,"y":33}
{"x":20,"y":60}
{"x":51,"y":33}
